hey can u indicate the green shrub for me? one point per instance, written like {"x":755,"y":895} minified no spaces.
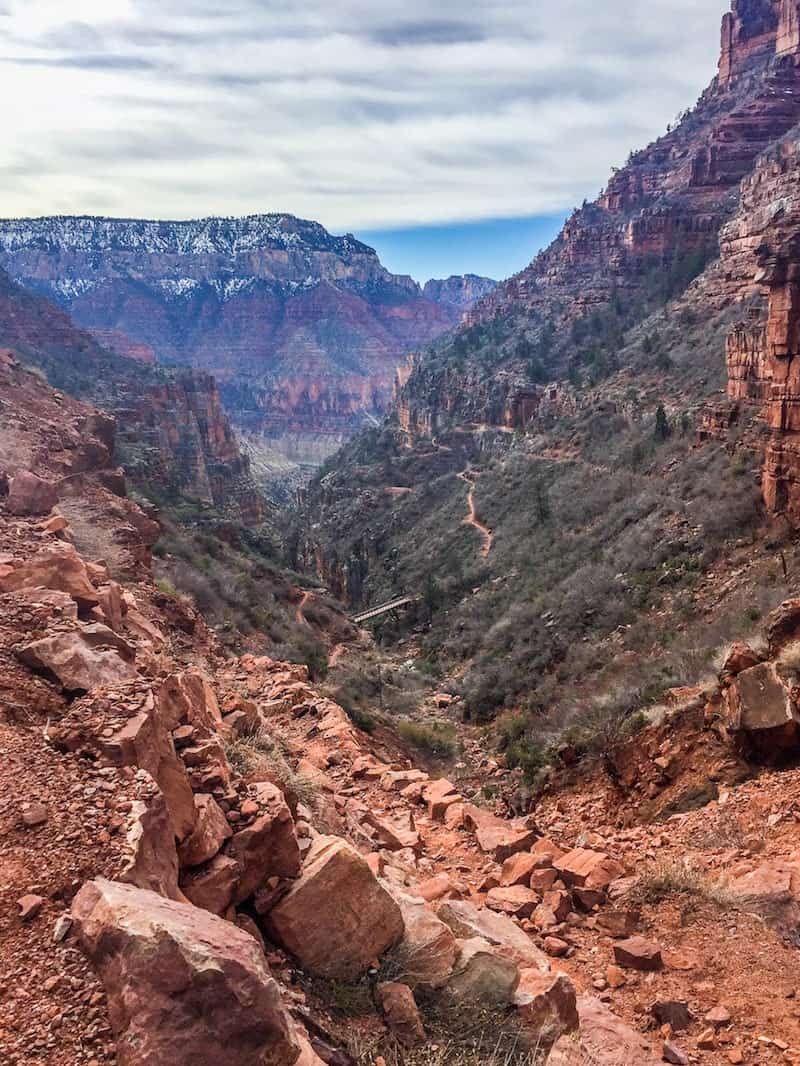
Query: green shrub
{"x":435,"y":738}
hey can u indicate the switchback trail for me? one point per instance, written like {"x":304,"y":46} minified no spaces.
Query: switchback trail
{"x":471,"y":518}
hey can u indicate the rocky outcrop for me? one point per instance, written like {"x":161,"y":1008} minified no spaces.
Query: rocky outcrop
{"x":460,"y":291}
{"x":660,"y":215}
{"x":29,"y":494}
{"x":178,"y":436}
{"x":167,"y":427}
{"x":303,"y":329}
{"x":760,"y":259}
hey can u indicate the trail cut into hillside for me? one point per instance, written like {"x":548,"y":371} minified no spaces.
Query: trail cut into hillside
{"x":471,"y":518}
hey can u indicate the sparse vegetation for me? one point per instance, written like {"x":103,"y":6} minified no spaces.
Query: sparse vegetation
{"x":260,"y":757}
{"x":674,"y":877}
{"x":460,"y":1034}
{"x":434,"y":738}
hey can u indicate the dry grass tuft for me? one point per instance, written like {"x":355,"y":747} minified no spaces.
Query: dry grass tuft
{"x":462,"y":1034}
{"x":789,"y":656}
{"x":673,"y":877}
{"x":259,"y":755}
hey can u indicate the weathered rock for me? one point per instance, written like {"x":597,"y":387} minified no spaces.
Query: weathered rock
{"x":30,"y":495}
{"x":783,"y":625}
{"x":184,"y":988}
{"x":396,"y":780}
{"x":760,"y":709}
{"x":427,"y":953}
{"x":617,"y":923}
{"x":436,"y":888}
{"x":213,"y":886}
{"x":740,"y":657}
{"x":482,"y":975}
{"x":210,"y":832}
{"x":468,"y":921}
{"x":543,"y":880}
{"x":57,"y":567}
{"x":555,"y":947}
{"x":401,"y":1014}
{"x":336,"y":919}
{"x":771,"y":883}
{"x":78,"y":659}
{"x":496,"y":837}
{"x":268,"y":847}
{"x":672,"y":1053}
{"x":584,"y":868}
{"x":29,"y":907}
{"x":518,"y":870}
{"x":547,"y":1004}
{"x":188,"y":698}
{"x":605,"y":1040}
{"x":152,"y":862}
{"x":638,"y":954}
{"x":138,"y":741}
{"x":516,"y":900}
{"x":393,"y":837}
{"x":544,"y":848}
{"x":439,"y":796}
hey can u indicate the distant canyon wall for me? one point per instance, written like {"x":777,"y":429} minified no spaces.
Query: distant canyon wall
{"x":302,"y":329}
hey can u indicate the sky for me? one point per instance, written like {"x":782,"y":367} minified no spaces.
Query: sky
{"x":437,"y":132}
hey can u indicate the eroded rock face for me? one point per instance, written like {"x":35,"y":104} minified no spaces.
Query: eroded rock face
{"x":428,"y":950}
{"x":312,"y":323}
{"x":267,"y":848}
{"x":153,"y":859}
{"x":468,"y":921}
{"x":184,"y":988}
{"x":547,"y":1004}
{"x":482,"y":975}
{"x":210,"y":832}
{"x":337,"y":919}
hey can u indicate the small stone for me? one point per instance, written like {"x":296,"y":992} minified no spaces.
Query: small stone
{"x":556,"y":947}
{"x":61,"y":928}
{"x":707,"y":1040}
{"x":736,"y":1057}
{"x":29,"y":907}
{"x":718,"y":1017}
{"x":616,"y":977}
{"x":673,"y":1054}
{"x":33,"y":815}
{"x":638,"y":954}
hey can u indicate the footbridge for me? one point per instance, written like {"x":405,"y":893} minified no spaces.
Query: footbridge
{"x":384,"y":608}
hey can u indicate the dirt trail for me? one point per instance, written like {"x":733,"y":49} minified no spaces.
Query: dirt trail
{"x":299,"y":617}
{"x":471,"y":518}
{"x":336,"y":655}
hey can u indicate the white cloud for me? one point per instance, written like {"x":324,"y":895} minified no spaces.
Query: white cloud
{"x":354,"y":113}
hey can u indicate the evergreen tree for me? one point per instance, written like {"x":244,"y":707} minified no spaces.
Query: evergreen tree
{"x":662,"y":429}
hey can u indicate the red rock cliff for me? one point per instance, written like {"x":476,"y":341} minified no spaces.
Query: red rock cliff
{"x":172,"y":430}
{"x":761,"y":259}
